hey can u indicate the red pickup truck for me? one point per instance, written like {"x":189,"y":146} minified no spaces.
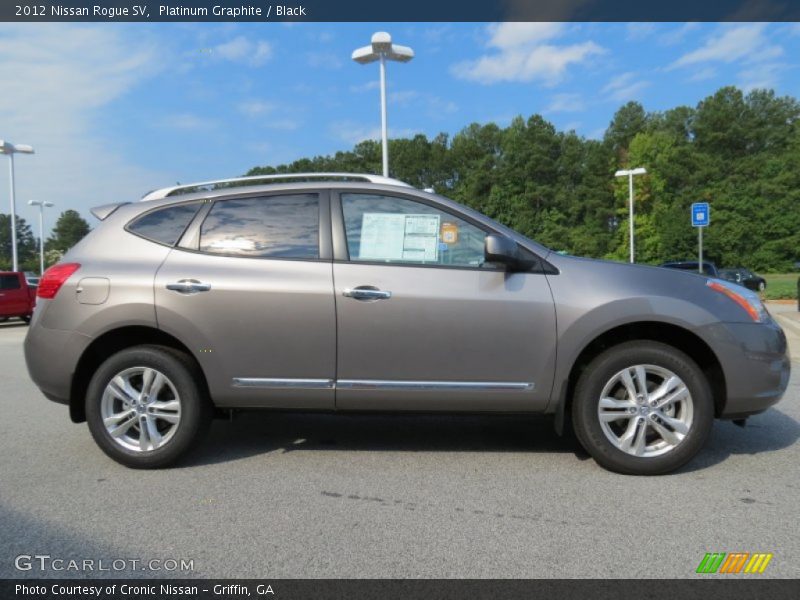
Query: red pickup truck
{"x":17,"y":298}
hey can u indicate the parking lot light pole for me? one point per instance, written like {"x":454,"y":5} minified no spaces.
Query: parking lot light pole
{"x":382,"y":49}
{"x":41,"y":204}
{"x":11,"y":149}
{"x":629,"y":173}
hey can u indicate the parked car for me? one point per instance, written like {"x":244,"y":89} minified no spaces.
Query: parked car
{"x":360,"y":293}
{"x":17,"y":298}
{"x":709,"y":268}
{"x":744,"y":277}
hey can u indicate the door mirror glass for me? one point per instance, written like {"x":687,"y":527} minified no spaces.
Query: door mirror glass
{"x":502,"y":250}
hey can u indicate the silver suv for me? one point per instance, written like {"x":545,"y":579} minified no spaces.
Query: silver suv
{"x":344,"y":293}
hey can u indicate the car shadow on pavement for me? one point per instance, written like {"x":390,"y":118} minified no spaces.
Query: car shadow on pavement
{"x":766,"y":432}
{"x":257,"y":432}
{"x":13,"y":324}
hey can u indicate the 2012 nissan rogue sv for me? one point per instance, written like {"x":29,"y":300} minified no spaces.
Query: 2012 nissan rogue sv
{"x":344,"y":292}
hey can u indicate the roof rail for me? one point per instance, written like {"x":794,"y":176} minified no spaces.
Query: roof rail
{"x":170,"y":191}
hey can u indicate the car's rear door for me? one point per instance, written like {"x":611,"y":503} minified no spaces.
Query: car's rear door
{"x":423,"y":324}
{"x":13,"y":295}
{"x":249,"y":289}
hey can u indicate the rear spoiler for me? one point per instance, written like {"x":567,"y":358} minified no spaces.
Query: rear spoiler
{"x":104,"y":211}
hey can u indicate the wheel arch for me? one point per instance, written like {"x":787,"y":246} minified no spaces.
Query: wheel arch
{"x":674,"y":335}
{"x":110,"y":343}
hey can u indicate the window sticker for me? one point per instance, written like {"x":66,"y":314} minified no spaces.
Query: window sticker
{"x":449,"y":233}
{"x":399,"y":236}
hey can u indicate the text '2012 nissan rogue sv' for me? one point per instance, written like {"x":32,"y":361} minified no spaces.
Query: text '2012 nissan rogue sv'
{"x":360,"y":293}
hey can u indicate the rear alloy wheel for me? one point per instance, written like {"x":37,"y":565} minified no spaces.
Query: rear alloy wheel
{"x":144,"y":407}
{"x":642,"y":408}
{"x":762,"y":286}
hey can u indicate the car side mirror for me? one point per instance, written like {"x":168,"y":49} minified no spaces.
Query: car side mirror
{"x":501,"y":249}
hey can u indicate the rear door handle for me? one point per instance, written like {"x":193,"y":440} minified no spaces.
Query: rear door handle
{"x":367,"y":293}
{"x":189,"y":286}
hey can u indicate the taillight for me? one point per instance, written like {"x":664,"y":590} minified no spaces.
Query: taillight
{"x":54,"y":278}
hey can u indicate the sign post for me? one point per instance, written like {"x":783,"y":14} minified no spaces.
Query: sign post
{"x":701,"y":217}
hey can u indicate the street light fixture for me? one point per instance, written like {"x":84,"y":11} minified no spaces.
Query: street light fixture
{"x":12,"y":149}
{"x":629,"y":173}
{"x":41,"y":204}
{"x":383,"y":49}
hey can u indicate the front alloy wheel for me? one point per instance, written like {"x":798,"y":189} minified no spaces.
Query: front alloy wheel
{"x":642,"y":408}
{"x":645,"y":410}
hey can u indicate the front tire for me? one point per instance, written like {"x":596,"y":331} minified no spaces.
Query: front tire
{"x":642,"y":408}
{"x":145,"y":408}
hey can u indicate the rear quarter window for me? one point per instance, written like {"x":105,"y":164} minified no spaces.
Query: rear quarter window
{"x":9,"y":282}
{"x":165,"y":225}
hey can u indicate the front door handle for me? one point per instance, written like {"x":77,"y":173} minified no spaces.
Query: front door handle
{"x":189,"y":286}
{"x":367,"y":293}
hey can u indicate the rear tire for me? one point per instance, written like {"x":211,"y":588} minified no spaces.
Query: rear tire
{"x":26,"y":319}
{"x":642,"y":430}
{"x":145,"y":408}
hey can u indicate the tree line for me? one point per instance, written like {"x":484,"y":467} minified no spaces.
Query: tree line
{"x":739,"y":152}
{"x":70,"y":228}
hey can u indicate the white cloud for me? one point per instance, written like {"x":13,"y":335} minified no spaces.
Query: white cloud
{"x":566,"y":103}
{"x":352,"y":132}
{"x":259,"y":111}
{"x":740,"y":42}
{"x":512,"y":35}
{"x":640,"y":31}
{"x":677,"y":35}
{"x":187,"y":122}
{"x":255,"y":108}
{"x":243,"y":50}
{"x":704,"y":74}
{"x":522,"y":55}
{"x":54,"y":79}
{"x":325,"y":60}
{"x":403,"y":97}
{"x":365,"y":87}
{"x":625,"y":87}
{"x":763,"y":76}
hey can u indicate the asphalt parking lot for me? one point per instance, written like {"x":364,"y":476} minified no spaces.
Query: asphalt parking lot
{"x":280,"y":495}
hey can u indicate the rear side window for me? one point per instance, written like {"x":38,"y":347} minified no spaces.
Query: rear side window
{"x":165,"y":225}
{"x":9,"y":282}
{"x":265,"y":227}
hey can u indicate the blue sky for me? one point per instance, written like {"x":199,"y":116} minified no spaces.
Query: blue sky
{"x":115,"y":110}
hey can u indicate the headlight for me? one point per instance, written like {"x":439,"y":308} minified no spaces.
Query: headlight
{"x":745,"y":298}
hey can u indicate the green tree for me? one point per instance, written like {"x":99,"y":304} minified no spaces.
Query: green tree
{"x":27,"y":244}
{"x":740,"y":152}
{"x":70,"y":229}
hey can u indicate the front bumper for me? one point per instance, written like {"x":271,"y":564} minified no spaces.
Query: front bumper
{"x":756,"y":364}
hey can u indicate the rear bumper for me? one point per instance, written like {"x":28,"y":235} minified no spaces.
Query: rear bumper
{"x":51,"y":356}
{"x":755,"y":361}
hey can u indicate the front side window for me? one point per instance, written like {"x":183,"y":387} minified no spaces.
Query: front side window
{"x":264,"y":227}
{"x":166,"y":225}
{"x":389,"y":229}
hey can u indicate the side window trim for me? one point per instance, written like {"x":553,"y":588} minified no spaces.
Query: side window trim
{"x":190,"y":241}
{"x":191,"y":238}
{"x":135,"y":219}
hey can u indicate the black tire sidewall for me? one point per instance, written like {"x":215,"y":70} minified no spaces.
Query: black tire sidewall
{"x":195,"y":407}
{"x":587,"y":396}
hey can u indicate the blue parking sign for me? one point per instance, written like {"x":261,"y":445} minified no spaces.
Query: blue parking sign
{"x":701,"y":214}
